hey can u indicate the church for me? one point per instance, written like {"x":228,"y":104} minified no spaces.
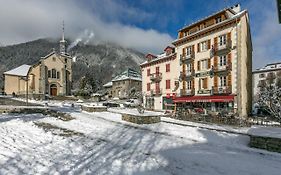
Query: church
{"x":51,"y":76}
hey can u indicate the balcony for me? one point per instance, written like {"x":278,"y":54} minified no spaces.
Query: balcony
{"x":221,"y":49}
{"x":221,"y":90}
{"x":186,"y":58}
{"x":156,"y":77}
{"x":187,"y":75}
{"x":227,"y":67}
{"x":156,"y":92}
{"x":187,"y":92}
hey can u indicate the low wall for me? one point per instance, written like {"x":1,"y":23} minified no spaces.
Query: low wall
{"x":139,"y":119}
{"x":94,"y":108}
{"x":267,"y":143}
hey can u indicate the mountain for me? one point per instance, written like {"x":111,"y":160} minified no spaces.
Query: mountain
{"x":101,"y":62}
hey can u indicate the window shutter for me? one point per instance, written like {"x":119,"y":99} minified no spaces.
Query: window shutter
{"x":215,"y":61}
{"x":229,"y":58}
{"x":215,"y":81}
{"x":215,"y":42}
{"x":198,"y":65}
{"x":209,"y":63}
{"x":198,"y":47}
{"x":192,"y":84}
{"x":229,"y":36}
{"x":192,"y":48}
{"x":209,"y":44}
{"x":229,"y":79}
{"x":183,"y":52}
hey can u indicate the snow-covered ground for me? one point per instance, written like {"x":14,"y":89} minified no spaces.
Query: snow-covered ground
{"x":108,"y":145}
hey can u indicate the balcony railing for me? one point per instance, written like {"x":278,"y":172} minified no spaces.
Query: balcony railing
{"x":227,"y":67}
{"x":187,"y":92}
{"x":156,"y":92}
{"x":221,"y":90}
{"x":217,"y":49}
{"x":185,"y":58}
{"x":156,"y":77}
{"x":187,"y":75}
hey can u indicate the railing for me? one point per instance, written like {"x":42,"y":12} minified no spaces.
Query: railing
{"x":186,"y":75}
{"x":156,"y":92}
{"x":221,"y":90}
{"x":184,"y":58}
{"x":186,"y":92}
{"x":216,"y":49}
{"x":227,"y":67}
{"x":156,"y":77}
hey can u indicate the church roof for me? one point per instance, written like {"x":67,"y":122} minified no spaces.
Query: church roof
{"x":129,"y":74}
{"x":19,"y":71}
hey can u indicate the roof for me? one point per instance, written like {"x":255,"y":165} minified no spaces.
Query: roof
{"x":109,"y":84}
{"x":159,"y":57}
{"x":19,"y":71}
{"x":230,"y":9}
{"x":129,"y":74}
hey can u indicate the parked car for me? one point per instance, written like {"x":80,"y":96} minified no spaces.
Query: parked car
{"x":132,"y":103}
{"x":111,"y":104}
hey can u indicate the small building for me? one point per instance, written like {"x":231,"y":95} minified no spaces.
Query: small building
{"x":124,"y":85}
{"x":52,"y":76}
{"x":261,"y":75}
{"x":160,"y":79}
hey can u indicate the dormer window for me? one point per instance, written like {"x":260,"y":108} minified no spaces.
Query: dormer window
{"x":218,"y":20}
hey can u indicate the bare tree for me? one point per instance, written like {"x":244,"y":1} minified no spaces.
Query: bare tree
{"x":270,"y":95}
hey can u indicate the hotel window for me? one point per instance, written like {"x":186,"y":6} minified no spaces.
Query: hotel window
{"x":189,"y":67}
{"x":218,"y":20}
{"x":189,"y":50}
{"x":167,"y":67}
{"x":203,"y":46}
{"x":204,"y":64}
{"x":49,"y":73}
{"x":168,"y":84}
{"x":148,"y":72}
{"x":189,"y":84}
{"x":223,"y":81}
{"x":223,"y":60}
{"x":54,"y":73}
{"x":261,"y":75}
{"x":222,"y":40}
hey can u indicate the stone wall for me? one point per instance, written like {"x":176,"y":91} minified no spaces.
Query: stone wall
{"x":141,"y":119}
{"x":267,"y":143}
{"x":94,"y":108}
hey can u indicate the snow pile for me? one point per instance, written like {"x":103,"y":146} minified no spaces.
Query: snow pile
{"x":261,"y":131}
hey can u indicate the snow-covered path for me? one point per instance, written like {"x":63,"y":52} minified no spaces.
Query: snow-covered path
{"x":110,"y":146}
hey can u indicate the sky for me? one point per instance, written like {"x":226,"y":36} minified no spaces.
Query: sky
{"x":144,"y":25}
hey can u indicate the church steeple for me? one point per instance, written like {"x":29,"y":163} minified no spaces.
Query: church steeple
{"x":63,"y":42}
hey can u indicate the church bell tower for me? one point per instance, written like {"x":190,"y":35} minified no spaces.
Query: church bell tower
{"x":63,"y":42}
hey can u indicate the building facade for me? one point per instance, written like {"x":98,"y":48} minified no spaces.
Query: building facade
{"x":215,"y":54}
{"x":124,"y":85}
{"x":160,"y":79}
{"x":51,"y":76}
{"x":262,"y":75}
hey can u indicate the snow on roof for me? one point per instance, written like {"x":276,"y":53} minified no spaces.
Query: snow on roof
{"x":19,"y":71}
{"x":109,"y":84}
{"x":128,"y":74}
{"x":159,"y":57}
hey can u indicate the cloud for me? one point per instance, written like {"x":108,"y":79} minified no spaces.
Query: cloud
{"x":266,"y":33}
{"x":22,"y":21}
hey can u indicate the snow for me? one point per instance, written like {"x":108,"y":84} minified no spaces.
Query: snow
{"x":19,"y":71}
{"x":109,"y":84}
{"x":134,"y":111}
{"x":112,"y":146}
{"x":261,"y":131}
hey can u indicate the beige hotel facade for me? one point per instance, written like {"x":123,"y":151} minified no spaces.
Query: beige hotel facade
{"x":212,"y":65}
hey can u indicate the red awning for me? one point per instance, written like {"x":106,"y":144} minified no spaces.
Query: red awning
{"x":219,"y":98}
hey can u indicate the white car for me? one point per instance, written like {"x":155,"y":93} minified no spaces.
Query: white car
{"x":132,"y":103}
